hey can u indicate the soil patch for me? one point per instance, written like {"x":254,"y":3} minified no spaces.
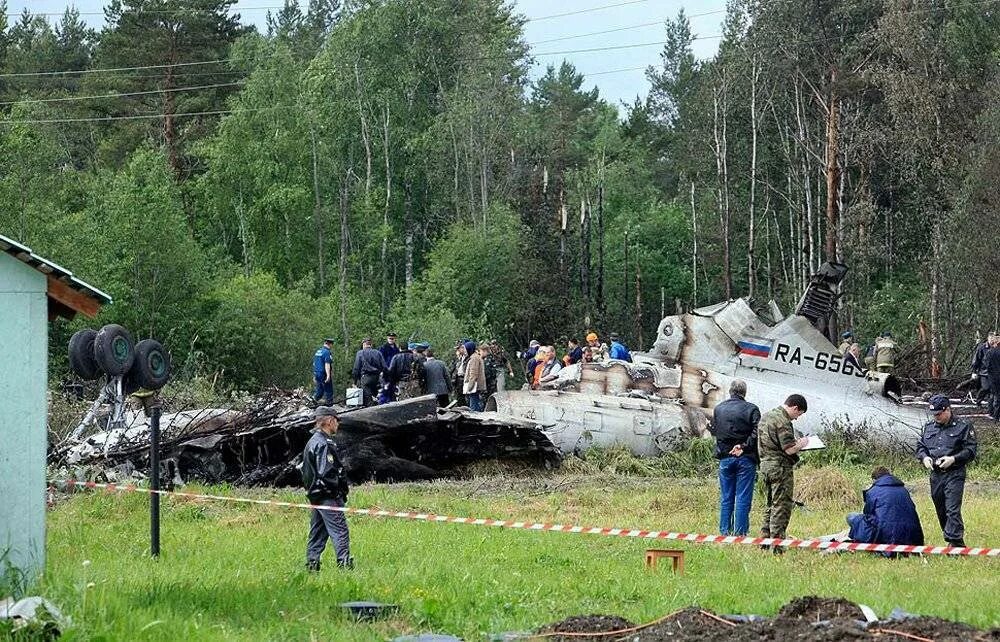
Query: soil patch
{"x":818,"y":609}
{"x":692,"y":624}
{"x":585,"y":624}
{"x":932,"y":628}
{"x":806,"y":619}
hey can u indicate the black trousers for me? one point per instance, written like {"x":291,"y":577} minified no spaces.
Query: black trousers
{"x":369,"y":384}
{"x":995,"y":398}
{"x":947,"y":488}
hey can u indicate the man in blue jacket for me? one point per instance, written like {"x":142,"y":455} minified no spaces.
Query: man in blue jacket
{"x":618,"y":349}
{"x":890,"y":516}
{"x":323,"y":372}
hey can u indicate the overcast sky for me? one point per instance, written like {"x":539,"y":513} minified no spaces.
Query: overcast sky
{"x":544,"y":25}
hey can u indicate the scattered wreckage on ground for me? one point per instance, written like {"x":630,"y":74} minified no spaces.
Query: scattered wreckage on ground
{"x":262,"y":444}
{"x":654,"y":405}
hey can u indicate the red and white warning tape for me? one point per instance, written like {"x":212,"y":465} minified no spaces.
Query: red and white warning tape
{"x":814,"y":544}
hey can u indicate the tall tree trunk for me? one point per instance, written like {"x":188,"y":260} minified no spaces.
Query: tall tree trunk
{"x":365,"y":135}
{"x":694,"y":250}
{"x":562,"y":233}
{"x":244,"y":240}
{"x":600,"y":247}
{"x":625,"y":280}
{"x":169,"y":109}
{"x":585,"y":255}
{"x":342,"y":263}
{"x":751,"y":245}
{"x":935,"y":286}
{"x":638,"y":305}
{"x":385,"y":213}
{"x":408,"y":231}
{"x":719,"y":120}
{"x":832,"y":169}
{"x":318,"y":214}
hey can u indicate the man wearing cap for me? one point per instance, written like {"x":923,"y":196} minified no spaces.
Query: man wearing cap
{"x":368,"y":365}
{"x":326,"y":485}
{"x":885,"y":352}
{"x":389,"y":349}
{"x":946,"y":445}
{"x":846,"y":339}
{"x":323,"y":372}
{"x":598,"y":350}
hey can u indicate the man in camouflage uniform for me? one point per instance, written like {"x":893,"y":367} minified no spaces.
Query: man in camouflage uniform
{"x":885,"y":352}
{"x":778,"y":449}
{"x":845,"y":344}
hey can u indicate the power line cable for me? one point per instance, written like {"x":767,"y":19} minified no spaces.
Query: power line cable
{"x":115,"y":69}
{"x":50,"y":14}
{"x":98,"y":119}
{"x":625,"y":28}
{"x":122,"y":95}
{"x":590,"y":10}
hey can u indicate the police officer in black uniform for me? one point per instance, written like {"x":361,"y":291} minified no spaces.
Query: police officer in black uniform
{"x":326,"y":485}
{"x":947,"y":444}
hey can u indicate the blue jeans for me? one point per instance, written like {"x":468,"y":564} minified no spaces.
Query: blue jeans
{"x":324,"y":388}
{"x":736,"y":479}
{"x":475,"y":401}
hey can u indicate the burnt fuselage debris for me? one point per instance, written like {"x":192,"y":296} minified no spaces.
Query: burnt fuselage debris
{"x":261,"y":444}
{"x":666,"y":397}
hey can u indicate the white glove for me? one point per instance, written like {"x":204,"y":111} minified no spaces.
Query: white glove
{"x":945,"y":462}
{"x":974,"y":376}
{"x":928,"y":463}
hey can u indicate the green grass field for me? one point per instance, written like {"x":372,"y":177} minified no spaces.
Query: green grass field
{"x":235,"y":572}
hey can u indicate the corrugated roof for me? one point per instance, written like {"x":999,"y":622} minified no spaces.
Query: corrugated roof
{"x":24,"y":254}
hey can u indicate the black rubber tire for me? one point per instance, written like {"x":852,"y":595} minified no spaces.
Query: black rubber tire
{"x":151,"y":369}
{"x":114,"y":350}
{"x":81,"y":355}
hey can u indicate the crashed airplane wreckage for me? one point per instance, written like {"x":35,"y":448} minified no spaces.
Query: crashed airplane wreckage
{"x":652,"y":406}
{"x":262,"y":445}
{"x":667,"y":395}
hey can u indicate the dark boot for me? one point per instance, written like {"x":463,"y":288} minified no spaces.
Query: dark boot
{"x":312,"y":566}
{"x":349,"y":564}
{"x":956,"y":542}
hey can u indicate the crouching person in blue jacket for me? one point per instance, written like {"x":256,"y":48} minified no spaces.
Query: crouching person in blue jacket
{"x":890,"y":516}
{"x":326,"y":485}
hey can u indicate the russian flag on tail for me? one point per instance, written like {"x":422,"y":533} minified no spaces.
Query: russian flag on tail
{"x":756,"y":347}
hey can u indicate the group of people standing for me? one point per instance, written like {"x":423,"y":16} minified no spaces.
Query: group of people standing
{"x":391,"y":373}
{"x":746,"y":441}
{"x":986,"y":369}
{"x":542,"y":365}
{"x":880,"y":356}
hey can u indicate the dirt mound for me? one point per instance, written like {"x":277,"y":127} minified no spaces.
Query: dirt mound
{"x":819,"y":609}
{"x":807,"y":619}
{"x":690,"y":625}
{"x":586,"y":624}
{"x":932,"y":628}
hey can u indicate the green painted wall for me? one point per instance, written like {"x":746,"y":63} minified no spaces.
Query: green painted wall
{"x":23,"y":379}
